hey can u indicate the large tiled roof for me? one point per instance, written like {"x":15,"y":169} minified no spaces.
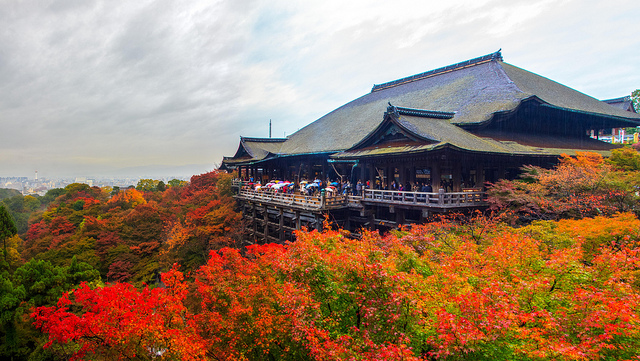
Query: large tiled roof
{"x":474,"y":91}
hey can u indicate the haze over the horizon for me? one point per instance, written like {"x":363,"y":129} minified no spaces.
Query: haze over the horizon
{"x":89,"y":87}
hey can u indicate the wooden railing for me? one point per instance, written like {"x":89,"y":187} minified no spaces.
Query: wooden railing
{"x":420,"y":199}
{"x":308,"y":202}
{"x":439,"y":199}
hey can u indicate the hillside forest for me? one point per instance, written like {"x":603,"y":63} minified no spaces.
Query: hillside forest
{"x":550,"y":271}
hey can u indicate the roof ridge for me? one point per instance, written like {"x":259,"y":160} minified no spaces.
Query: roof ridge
{"x":626,"y":98}
{"x":475,"y":61}
{"x":265,"y":140}
{"x":420,"y":112}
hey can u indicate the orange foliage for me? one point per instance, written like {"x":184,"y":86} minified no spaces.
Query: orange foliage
{"x":127,"y":199}
{"x":446,"y":290}
{"x":118,"y":322}
{"x":581,"y":186}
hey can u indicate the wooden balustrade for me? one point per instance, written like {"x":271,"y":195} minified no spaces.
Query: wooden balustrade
{"x":309,"y":202}
{"x":439,"y":199}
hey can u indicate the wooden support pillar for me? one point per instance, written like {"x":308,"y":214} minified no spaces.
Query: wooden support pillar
{"x":456,"y":173}
{"x":435,"y":177}
{"x":281,"y":226}
{"x":266,"y":225}
{"x":298,"y":220}
{"x":480,"y":176}
{"x":318,"y":222}
{"x":400,"y":216}
{"x":425,"y":214}
{"x":373,"y":173}
{"x":254,"y":223}
{"x":413,"y":177}
{"x":347,"y":224}
{"x":324,"y":175}
{"x":372,"y":219}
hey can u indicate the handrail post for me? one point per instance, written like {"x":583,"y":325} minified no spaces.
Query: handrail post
{"x":441,"y":196}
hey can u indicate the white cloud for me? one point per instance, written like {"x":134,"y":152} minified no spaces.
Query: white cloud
{"x":123,"y":83}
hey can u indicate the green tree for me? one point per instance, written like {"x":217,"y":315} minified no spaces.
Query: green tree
{"x":147,"y":185}
{"x":51,"y":195}
{"x":625,"y":159}
{"x":77,"y":187}
{"x":635,"y":97}
{"x":7,"y":229}
{"x":31,"y":203}
{"x":177,"y":183}
{"x":161,"y":187}
{"x":36,"y":283}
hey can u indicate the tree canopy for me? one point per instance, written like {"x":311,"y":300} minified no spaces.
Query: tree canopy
{"x":7,"y":228}
{"x":550,"y":272}
{"x":478,"y":290}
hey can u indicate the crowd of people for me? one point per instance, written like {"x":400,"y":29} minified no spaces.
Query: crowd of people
{"x":336,"y":187}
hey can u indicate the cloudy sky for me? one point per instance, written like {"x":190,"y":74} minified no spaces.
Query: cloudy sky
{"x":91,"y":87}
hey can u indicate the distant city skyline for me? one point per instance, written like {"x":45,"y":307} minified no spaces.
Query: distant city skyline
{"x":108,"y":88}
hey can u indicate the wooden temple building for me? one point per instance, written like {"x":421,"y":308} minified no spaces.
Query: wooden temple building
{"x":454,"y":128}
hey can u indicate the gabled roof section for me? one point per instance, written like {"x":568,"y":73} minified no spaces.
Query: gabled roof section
{"x":254,"y":149}
{"x":428,"y":130}
{"x":624,"y":103}
{"x":393,"y":129}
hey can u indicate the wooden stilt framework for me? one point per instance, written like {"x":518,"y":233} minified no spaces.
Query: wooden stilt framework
{"x":272,"y":218}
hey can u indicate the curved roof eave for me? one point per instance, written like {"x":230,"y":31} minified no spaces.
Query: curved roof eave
{"x":441,"y":146}
{"x":240,"y":148}
{"x":632,"y":121}
{"x":534,"y":98}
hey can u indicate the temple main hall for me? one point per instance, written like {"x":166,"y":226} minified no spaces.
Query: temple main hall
{"x":453,"y":128}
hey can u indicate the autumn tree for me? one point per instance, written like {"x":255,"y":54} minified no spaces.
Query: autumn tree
{"x":450,"y":290}
{"x":35,"y":284}
{"x":131,"y":235}
{"x":581,"y":186}
{"x":118,"y":322}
